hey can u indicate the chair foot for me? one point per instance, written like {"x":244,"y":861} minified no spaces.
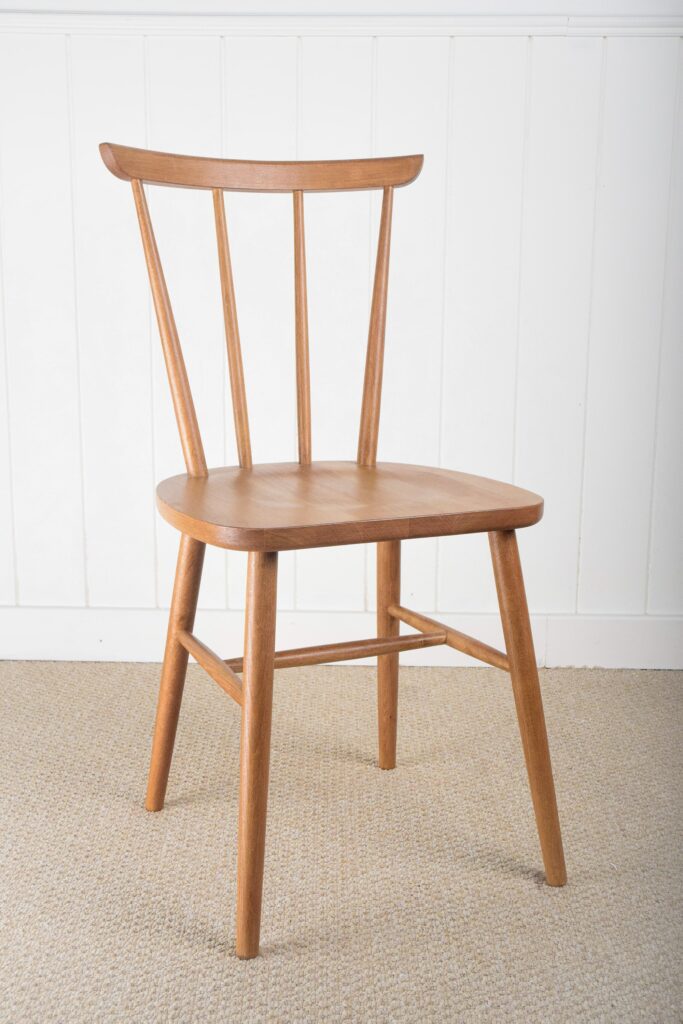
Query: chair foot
{"x":257,"y":704}
{"x":388,"y":593}
{"x":183,"y":606}
{"x":528,"y":701}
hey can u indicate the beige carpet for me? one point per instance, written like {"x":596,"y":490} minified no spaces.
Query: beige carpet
{"x":413,"y":895}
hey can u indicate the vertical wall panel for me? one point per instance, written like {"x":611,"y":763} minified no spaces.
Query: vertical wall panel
{"x":482,"y":284}
{"x":336,"y":121}
{"x":666,"y":552}
{"x":8,"y":592}
{"x":625,"y":322}
{"x":185,"y":115}
{"x":412,"y":117}
{"x":42,"y":351}
{"x":261,"y":123}
{"x":411,"y":114}
{"x":557,"y":236}
{"x":113,"y":326}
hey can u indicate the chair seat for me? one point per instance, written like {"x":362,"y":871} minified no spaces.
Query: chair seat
{"x":282,"y":506}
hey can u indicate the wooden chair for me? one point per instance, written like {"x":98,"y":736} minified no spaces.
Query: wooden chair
{"x":264,"y":509}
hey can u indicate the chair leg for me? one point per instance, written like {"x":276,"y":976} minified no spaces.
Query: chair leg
{"x":257,"y":704}
{"x":527,"y":692}
{"x":388,"y":592}
{"x":183,"y":606}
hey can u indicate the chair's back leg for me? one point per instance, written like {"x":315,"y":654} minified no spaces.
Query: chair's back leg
{"x":388,"y":593}
{"x":257,"y":704}
{"x":183,"y":606}
{"x":527,"y":692}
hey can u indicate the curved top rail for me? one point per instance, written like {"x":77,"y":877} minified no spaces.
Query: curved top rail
{"x":256,"y":175}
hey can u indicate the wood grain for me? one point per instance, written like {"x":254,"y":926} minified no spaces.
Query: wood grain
{"x":348,"y":650}
{"x":181,"y":617}
{"x":212,"y":665}
{"x":257,"y":704}
{"x":267,"y":508}
{"x":527,"y":691}
{"x":374,"y":362}
{"x":303,"y":381}
{"x":283,"y":506}
{"x":388,"y":594}
{"x":128,"y":163}
{"x":454,"y":638}
{"x":232,"y":335}
{"x":183,"y":405}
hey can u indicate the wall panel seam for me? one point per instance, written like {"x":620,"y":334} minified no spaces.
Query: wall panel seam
{"x":520,"y":246}
{"x":673,"y":166}
{"x":77,"y":326}
{"x":444,"y":278}
{"x":589,"y":328}
{"x":5,"y":356}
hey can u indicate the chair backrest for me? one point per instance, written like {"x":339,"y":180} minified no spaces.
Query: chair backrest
{"x":140,"y":165}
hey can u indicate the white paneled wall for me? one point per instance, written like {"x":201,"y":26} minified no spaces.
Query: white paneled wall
{"x":535,"y":330}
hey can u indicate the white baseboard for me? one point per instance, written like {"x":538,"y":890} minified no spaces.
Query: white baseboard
{"x":628,"y":641}
{"x":122,"y":634}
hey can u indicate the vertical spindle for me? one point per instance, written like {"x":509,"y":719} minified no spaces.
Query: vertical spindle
{"x":374,"y":363}
{"x":303,"y":381}
{"x":232,"y":335}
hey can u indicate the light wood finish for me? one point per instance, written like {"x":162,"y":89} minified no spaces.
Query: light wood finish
{"x":374,"y":362}
{"x":257,"y":703}
{"x":128,"y":163}
{"x":183,"y":405}
{"x":524,"y":674}
{"x":232,"y":335}
{"x":454,"y":638}
{"x":282,"y":506}
{"x":181,"y":618}
{"x":322,"y":654}
{"x":388,"y":594}
{"x":264,"y":509}
{"x":213,"y":665}
{"x":303,"y":381}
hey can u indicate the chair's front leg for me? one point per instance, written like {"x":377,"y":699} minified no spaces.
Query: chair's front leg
{"x":257,"y":705}
{"x":388,"y":593}
{"x":181,"y":616}
{"x":527,"y":692}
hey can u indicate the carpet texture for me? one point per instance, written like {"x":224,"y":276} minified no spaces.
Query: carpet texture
{"x":414,"y":895}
